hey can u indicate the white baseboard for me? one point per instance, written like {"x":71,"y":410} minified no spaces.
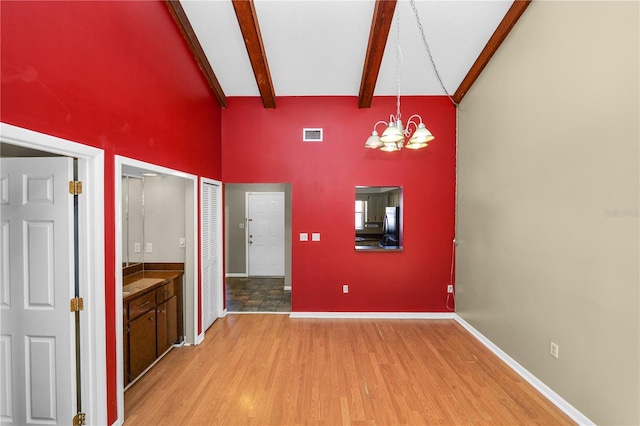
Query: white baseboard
{"x":545,"y":390}
{"x":236,"y":275}
{"x":375,"y":315}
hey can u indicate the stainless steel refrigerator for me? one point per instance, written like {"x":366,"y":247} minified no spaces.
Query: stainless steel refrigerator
{"x":391,"y":227}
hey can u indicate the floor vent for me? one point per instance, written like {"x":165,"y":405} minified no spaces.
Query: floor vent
{"x":312,"y":135}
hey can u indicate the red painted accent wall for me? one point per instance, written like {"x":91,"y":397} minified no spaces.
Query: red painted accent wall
{"x":265,"y":146}
{"x":115,"y":75}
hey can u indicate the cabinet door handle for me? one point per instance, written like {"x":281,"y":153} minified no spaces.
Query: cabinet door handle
{"x":142,"y":305}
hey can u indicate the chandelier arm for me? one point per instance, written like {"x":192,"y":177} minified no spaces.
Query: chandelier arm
{"x":379,"y":122}
{"x":426,"y":45}
{"x":414,"y":115}
{"x":407,"y":130}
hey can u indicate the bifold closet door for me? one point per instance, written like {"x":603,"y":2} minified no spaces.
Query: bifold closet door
{"x":211,"y":238}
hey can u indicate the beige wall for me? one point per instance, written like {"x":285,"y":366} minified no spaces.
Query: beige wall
{"x":164,"y":218}
{"x":548,"y":173}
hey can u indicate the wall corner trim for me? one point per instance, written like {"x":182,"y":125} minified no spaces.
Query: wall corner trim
{"x":199,"y":339}
{"x":545,"y":390}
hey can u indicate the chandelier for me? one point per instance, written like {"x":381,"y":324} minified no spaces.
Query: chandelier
{"x":393,"y":136}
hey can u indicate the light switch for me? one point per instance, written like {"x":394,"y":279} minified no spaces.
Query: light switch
{"x":148,"y":248}
{"x":304,"y":236}
{"x":315,"y":236}
{"x":182,"y":242}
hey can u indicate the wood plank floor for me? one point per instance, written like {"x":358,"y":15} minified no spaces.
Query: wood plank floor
{"x":275,"y":370}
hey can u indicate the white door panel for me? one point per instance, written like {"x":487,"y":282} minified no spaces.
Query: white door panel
{"x":211,"y":276}
{"x":36,"y":284}
{"x":266,"y":234}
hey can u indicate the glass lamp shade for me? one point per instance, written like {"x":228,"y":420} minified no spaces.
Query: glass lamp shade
{"x":374,"y":141}
{"x":392,"y":134}
{"x":421,"y":137}
{"x":391,"y":146}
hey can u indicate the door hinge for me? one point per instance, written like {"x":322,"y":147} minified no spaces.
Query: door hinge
{"x":75,"y":187}
{"x":79,"y":419}
{"x":77,"y":304}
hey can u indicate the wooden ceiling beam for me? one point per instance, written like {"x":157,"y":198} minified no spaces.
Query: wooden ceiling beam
{"x":176,"y":10}
{"x":380,"y":26}
{"x":248,"y":21}
{"x":510,"y":18}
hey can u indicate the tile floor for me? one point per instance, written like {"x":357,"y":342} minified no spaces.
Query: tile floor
{"x":257,"y":295}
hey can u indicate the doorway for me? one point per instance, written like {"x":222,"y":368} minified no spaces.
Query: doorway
{"x":183,"y":188}
{"x":45,"y":288}
{"x":247,"y":290}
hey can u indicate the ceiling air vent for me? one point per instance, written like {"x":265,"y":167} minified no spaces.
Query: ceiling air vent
{"x":312,"y":135}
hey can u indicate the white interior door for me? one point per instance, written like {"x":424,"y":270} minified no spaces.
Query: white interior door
{"x":37,"y":363}
{"x":266,"y":233}
{"x":211,"y":238}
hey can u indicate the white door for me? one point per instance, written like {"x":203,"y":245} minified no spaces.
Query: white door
{"x":266,"y":233}
{"x":211,"y":235}
{"x":37,"y":363}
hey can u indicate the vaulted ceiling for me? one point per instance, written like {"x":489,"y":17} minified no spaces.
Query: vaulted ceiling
{"x":272,"y":48}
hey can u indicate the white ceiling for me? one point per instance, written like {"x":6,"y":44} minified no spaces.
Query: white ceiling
{"x":318,"y":47}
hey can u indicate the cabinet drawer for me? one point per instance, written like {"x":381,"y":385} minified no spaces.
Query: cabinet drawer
{"x":165,"y":292}
{"x":141,"y":305}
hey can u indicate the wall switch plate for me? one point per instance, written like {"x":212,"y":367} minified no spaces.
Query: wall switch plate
{"x":304,"y":236}
{"x":241,"y":225}
{"x":345,"y":288}
{"x":450,"y":288}
{"x":553,"y":349}
{"x":315,"y":236}
{"x":137,"y":247}
{"x":148,"y":248}
{"x":182,"y":243}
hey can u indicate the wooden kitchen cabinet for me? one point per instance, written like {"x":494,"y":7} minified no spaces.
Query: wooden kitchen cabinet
{"x":142,"y":343}
{"x":376,"y":207}
{"x":152,"y":321}
{"x":167,"y":317}
{"x":167,"y":324}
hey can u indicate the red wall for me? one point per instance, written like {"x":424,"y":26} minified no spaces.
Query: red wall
{"x":265,"y":146}
{"x":117,"y":76}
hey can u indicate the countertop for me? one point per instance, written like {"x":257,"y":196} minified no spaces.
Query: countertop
{"x":379,"y":248}
{"x":144,"y":280}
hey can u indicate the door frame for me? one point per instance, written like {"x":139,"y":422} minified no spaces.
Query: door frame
{"x":91,"y":259}
{"x":219,"y":249}
{"x":193,"y":239}
{"x":246,"y":229}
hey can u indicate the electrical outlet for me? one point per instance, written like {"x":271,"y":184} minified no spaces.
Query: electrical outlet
{"x":137,"y":247}
{"x":345,"y":288}
{"x":148,"y":248}
{"x":553,"y":349}
{"x":450,"y":288}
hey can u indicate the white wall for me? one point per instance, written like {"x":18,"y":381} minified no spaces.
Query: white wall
{"x":548,"y":178}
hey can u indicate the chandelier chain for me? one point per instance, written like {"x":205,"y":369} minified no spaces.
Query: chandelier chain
{"x":398,"y":65}
{"x":428,"y":49}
